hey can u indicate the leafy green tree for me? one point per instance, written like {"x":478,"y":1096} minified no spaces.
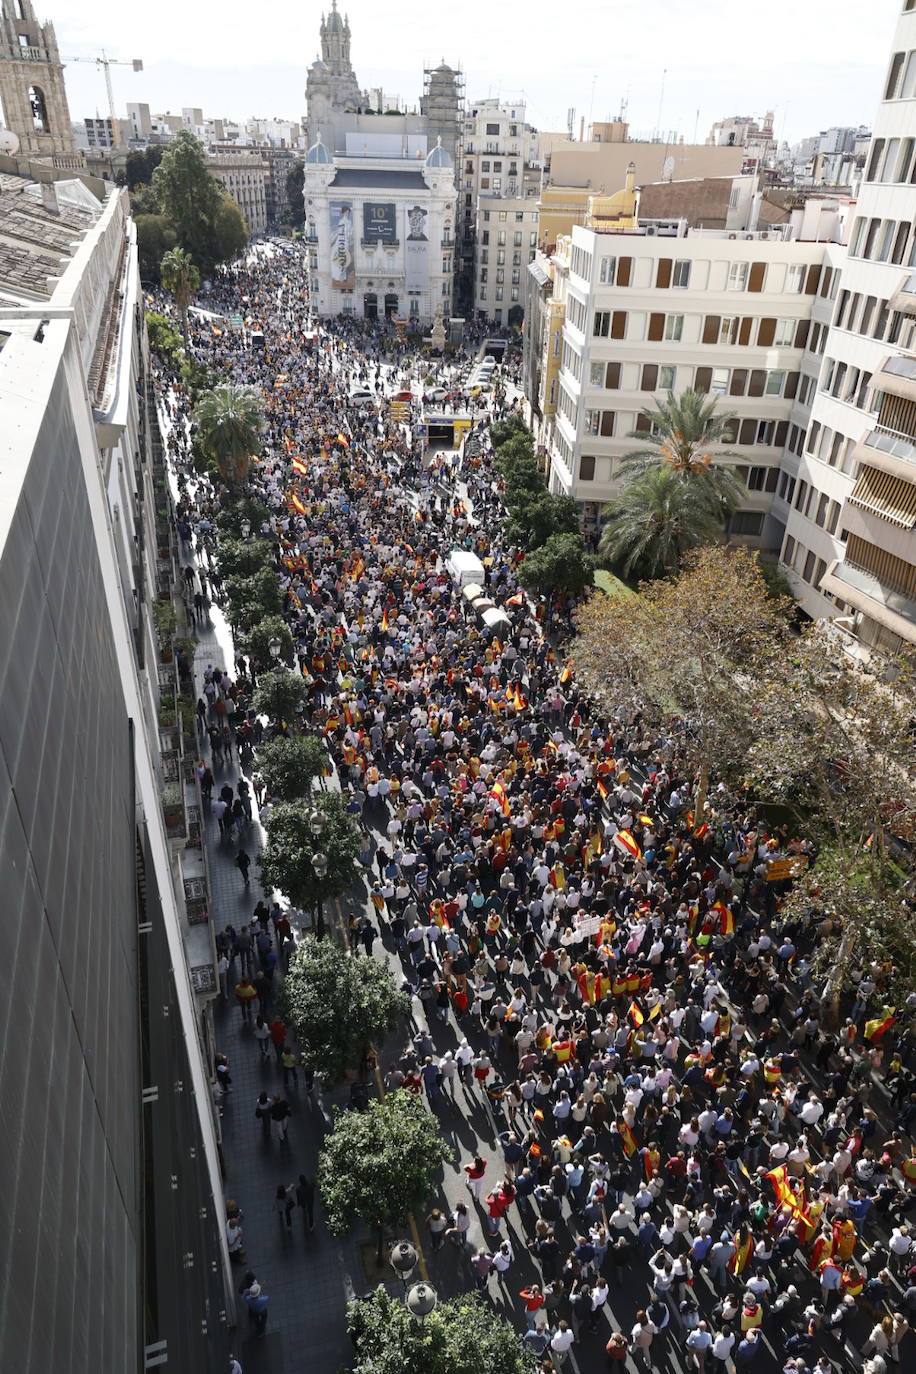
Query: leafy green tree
{"x":377,"y":1165}
{"x":253,"y":599}
{"x":244,"y":557}
{"x":339,"y":1007}
{"x":561,"y":564}
{"x":229,"y":424}
{"x":141,"y":164}
{"x":689,"y":430}
{"x":277,"y":695}
{"x":295,"y":180}
{"x":155,"y":237}
{"x":164,"y":338}
{"x":652,"y":522}
{"x":503,"y":430}
{"x":532,"y":522}
{"x":290,"y":765}
{"x":244,"y":508}
{"x":518,"y":445}
{"x":179,"y":275}
{"x":230,"y":229}
{"x":256,"y":639}
{"x":189,"y":198}
{"x":462,"y":1336}
{"x":287,"y":860}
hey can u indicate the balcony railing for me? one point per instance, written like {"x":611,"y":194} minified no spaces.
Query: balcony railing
{"x":893,"y":443}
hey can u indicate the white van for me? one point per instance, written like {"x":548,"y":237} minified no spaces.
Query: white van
{"x":464,"y":567}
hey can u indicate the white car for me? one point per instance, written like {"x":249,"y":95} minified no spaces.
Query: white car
{"x":362,"y":398}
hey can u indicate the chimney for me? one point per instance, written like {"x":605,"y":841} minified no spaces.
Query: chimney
{"x":49,"y":197}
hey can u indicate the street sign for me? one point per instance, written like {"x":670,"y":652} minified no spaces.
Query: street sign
{"x":236,"y":321}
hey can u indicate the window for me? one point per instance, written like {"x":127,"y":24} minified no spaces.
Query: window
{"x":784,"y":333}
{"x":519,"y":214}
{"x":533,"y":239}
{"x":718,"y":383}
{"x":774,"y":383}
{"x":492,"y":128}
{"x":666,"y":377}
{"x":795,"y":278}
{"x":501,"y":238}
{"x":499,"y":293}
{"x":586,"y":468}
{"x":601,"y":326}
{"x":513,"y":294}
{"x":766,"y":430}
{"x":517,"y":238}
{"x":748,"y":522}
{"x":737,"y":276}
{"x":674,"y":327}
{"x":596,"y":374}
{"x":607,"y":271}
{"x":486,"y":217}
{"x":502,"y":216}
{"x":681,"y":275}
{"x":591,"y":422}
{"x":892,"y":89}
{"x":497,"y":166}
{"x":728,"y":329}
{"x":485,"y":166}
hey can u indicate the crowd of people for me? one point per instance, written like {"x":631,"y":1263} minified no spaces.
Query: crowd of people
{"x":664,"y":1113}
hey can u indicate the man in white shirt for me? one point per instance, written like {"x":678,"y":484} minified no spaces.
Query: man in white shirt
{"x":560,"y":1343}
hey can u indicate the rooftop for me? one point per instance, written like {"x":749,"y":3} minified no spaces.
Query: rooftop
{"x":40,"y":230}
{"x":396,"y":181}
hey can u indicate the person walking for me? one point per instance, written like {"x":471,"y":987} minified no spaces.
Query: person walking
{"x":305,"y":1196}
{"x":243,"y":863}
{"x":279,"y":1115}
{"x":261,"y":1033}
{"x":262,"y":1111}
{"x":285,"y":1203}
{"x":256,"y":1300}
{"x":245,"y":994}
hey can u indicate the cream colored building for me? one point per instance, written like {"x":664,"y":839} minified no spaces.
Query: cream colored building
{"x":32,"y":90}
{"x":506,"y":238}
{"x":244,"y":175}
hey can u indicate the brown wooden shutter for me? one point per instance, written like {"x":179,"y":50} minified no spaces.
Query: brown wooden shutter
{"x":782,"y":429}
{"x":744,"y":331}
{"x":619,"y":324}
{"x":656,"y":327}
{"x":663,"y":272}
{"x":739,"y":382}
{"x":607,"y":423}
{"x":612,"y":376}
{"x":757,"y":274}
{"x":624,"y":268}
{"x":792,"y":385}
{"x":649,"y":377}
{"x":814,"y":276}
{"x":801,"y":333}
{"x":747,"y":431}
{"x":757,"y":384}
{"x":643,"y":423}
{"x":703,"y":379}
{"x":766,"y":333}
{"x":711,"y":329}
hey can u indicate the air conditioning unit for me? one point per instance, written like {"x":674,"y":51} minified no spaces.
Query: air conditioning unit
{"x":733,"y":236}
{"x":651,"y":231}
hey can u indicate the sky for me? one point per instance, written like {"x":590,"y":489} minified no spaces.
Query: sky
{"x":680,"y":66}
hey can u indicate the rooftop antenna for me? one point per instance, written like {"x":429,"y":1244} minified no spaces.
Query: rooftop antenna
{"x":661,"y":101}
{"x":591,"y":103}
{"x":570,"y":120}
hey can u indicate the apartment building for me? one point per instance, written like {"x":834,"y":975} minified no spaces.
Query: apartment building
{"x":244,"y":176}
{"x":850,"y":542}
{"x":506,"y":233}
{"x":741,"y":316}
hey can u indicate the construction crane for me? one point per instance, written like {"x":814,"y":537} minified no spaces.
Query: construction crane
{"x":109,"y":62}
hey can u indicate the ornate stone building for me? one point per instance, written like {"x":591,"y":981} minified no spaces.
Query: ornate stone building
{"x":331,"y":83}
{"x":32,"y":89}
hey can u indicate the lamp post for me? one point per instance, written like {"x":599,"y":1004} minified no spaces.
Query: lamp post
{"x":275,"y":648}
{"x":422,"y":1300}
{"x":245,"y":527}
{"x":403,"y":1260}
{"x":319,"y":865}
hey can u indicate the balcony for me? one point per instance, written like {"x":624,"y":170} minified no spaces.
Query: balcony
{"x":883,"y":494}
{"x":863,"y":590}
{"x":905,"y":298}
{"x":897,"y":377}
{"x":889,"y":450}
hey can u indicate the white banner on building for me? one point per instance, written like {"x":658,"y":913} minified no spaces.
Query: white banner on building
{"x":416,"y":245}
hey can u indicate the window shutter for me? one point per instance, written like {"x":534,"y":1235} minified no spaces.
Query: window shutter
{"x":649,"y":377}
{"x":766,"y":333}
{"x":814,"y":276}
{"x":739,"y":382}
{"x":801,"y":333}
{"x":711,"y":329}
{"x":586,"y":468}
{"x":791,"y":390}
{"x":703,"y":379}
{"x":656,"y":327}
{"x":782,"y":427}
{"x":747,"y":431}
{"x":624,"y":267}
{"x":607,"y":423}
{"x":744,"y":331}
{"x":757,"y":383}
{"x":612,"y":376}
{"x":663,"y":272}
{"x":619,"y":324}
{"x":643,"y":424}
{"x":757,"y":274}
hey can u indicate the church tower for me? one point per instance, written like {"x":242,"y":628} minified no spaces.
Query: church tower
{"x":32,"y":89}
{"x":335,"y":54}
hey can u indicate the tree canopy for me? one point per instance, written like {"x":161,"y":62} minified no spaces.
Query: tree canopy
{"x":561,"y":564}
{"x":278,"y":694}
{"x":339,"y":1007}
{"x":462,"y":1336}
{"x":687,"y":434}
{"x":290,"y":765}
{"x":295,"y":180}
{"x":653,"y":521}
{"x":179,"y":275}
{"x":229,"y":424}
{"x":286,"y":860}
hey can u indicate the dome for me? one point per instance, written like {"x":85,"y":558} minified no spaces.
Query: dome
{"x":334,"y":21}
{"x":319,"y":153}
{"x":439,"y":157}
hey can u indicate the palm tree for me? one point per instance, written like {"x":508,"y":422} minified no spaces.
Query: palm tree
{"x":686,"y":430}
{"x":181,"y":277}
{"x":229,"y":424}
{"x":656,"y":517}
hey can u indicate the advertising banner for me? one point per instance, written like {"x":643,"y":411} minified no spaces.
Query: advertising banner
{"x":416,"y":246}
{"x":343,"y":262}
{"x":380,"y":221}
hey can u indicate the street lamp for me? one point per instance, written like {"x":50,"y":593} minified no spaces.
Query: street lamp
{"x":245,"y":527}
{"x":422,"y":1300}
{"x":403,"y":1260}
{"x":275,"y":647}
{"x":319,"y":865}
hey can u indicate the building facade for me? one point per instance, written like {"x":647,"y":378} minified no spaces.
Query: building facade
{"x":381,"y":234}
{"x":850,"y":542}
{"x":506,"y":235}
{"x":244,"y":174}
{"x":114,"y":1246}
{"x":32,"y":90}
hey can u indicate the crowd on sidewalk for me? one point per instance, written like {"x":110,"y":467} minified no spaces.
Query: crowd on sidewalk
{"x":643,"y":1029}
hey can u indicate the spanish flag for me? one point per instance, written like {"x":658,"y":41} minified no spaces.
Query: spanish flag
{"x":385,"y":619}
{"x":518,"y":700}
{"x":645,"y":819}
{"x":627,"y":1137}
{"x":296,"y":502}
{"x":566,"y":673}
{"x":357,"y":570}
{"x":343,"y":441}
{"x":499,"y":794}
{"x":624,"y":840}
{"x":725,"y":917}
{"x":602,"y":790}
{"x":298,"y":465}
{"x":784,"y":1196}
{"x":701,"y":831}
{"x":876,"y":1028}
{"x":742,"y":1256}
{"x":517,"y":600}
{"x":635,"y":1014}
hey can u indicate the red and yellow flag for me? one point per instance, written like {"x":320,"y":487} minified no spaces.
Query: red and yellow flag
{"x":742,"y":1256}
{"x":499,"y":794}
{"x":876,"y":1028}
{"x":300,"y":466}
{"x":624,"y":840}
{"x":566,"y":673}
{"x":294,"y":500}
{"x":385,"y":619}
{"x":635,"y":1014}
{"x":627,"y":1137}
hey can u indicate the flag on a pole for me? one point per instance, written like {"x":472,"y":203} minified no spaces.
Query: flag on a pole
{"x":876,"y":1028}
{"x":624,"y":840}
{"x":499,"y":794}
{"x":635,"y":1014}
{"x":299,"y":465}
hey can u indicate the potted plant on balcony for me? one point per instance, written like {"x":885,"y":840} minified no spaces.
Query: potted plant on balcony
{"x":172,"y":799}
{"x":166,"y":624}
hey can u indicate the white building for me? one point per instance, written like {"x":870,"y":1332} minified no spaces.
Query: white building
{"x":382,"y":233}
{"x":850,"y":544}
{"x":738,"y":315}
{"x":506,"y":238}
{"x":244,"y":175}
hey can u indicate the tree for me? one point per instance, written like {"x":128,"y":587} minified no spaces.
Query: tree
{"x":502,"y":430}
{"x":189,"y":198}
{"x":532,"y":522}
{"x":141,"y":164}
{"x":230,"y":229}
{"x":164,"y":338}
{"x":244,"y":557}
{"x":561,"y":564}
{"x":229,"y":424}
{"x":155,"y":237}
{"x":654,"y":520}
{"x":339,"y":1007}
{"x":256,"y":639}
{"x":687,"y":428}
{"x":277,"y":695}
{"x":242,"y":510}
{"x":181,"y":277}
{"x":462,"y":1336}
{"x":295,"y":180}
{"x":688,"y":653}
{"x":377,"y":1165}
{"x":290,"y":765}
{"x":287,"y":860}
{"x":253,"y":600}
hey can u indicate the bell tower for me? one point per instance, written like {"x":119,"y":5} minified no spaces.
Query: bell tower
{"x":32,"y":89}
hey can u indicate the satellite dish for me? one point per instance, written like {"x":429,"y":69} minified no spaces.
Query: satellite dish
{"x":667,"y":169}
